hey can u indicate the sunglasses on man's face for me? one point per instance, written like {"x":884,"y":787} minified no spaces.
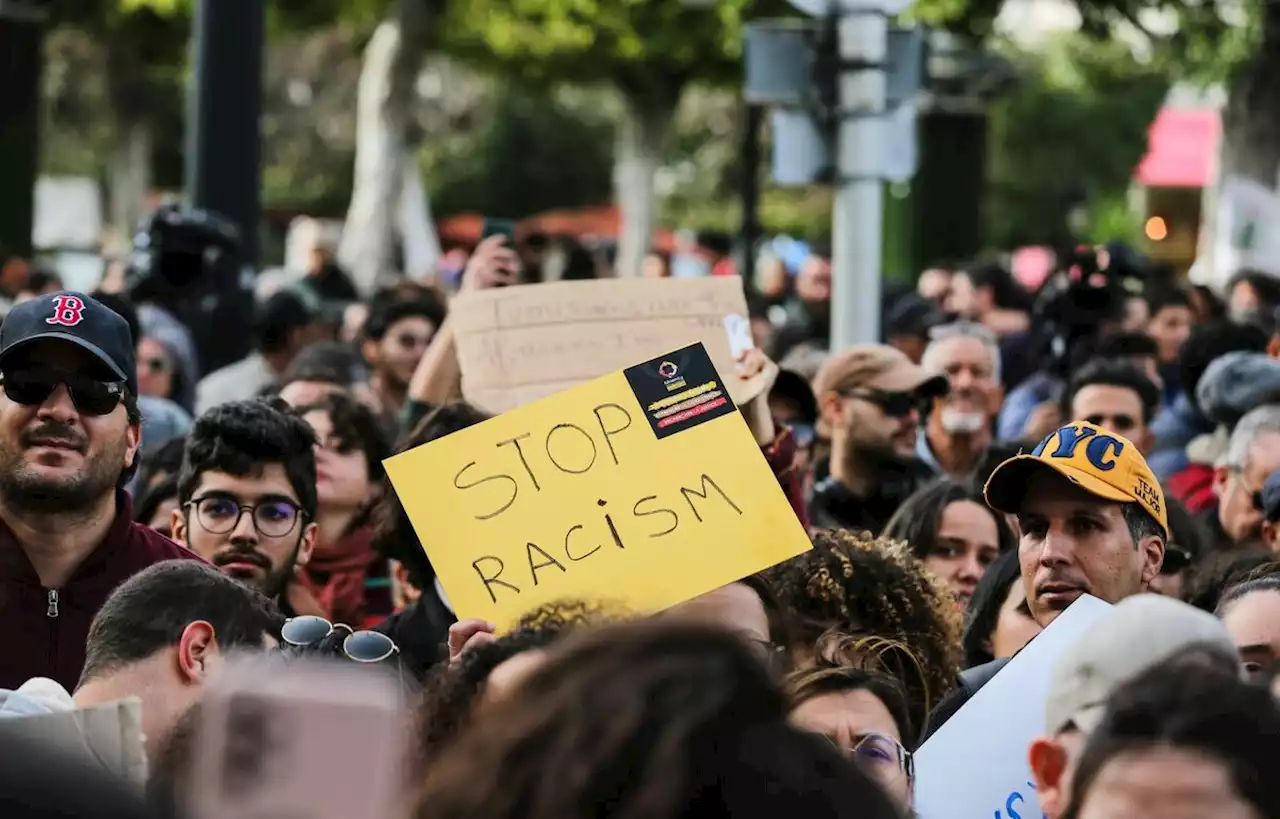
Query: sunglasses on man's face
{"x":892,"y":404}
{"x":31,"y":387}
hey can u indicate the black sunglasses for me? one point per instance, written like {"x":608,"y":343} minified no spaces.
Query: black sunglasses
{"x":90,"y":396}
{"x":893,"y":404}
{"x":360,"y":646}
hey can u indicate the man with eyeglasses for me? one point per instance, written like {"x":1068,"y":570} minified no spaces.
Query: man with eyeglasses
{"x":1253,"y":453}
{"x":958,"y":429}
{"x":870,"y":398}
{"x":69,"y":438}
{"x":247,"y":497}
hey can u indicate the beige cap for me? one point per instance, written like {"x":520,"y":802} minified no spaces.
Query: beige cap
{"x":1140,"y":632}
{"x":875,"y":367}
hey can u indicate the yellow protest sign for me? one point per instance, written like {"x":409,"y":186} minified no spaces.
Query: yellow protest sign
{"x":642,"y":488}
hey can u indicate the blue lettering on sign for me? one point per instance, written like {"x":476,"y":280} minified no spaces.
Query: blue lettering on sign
{"x":1014,"y":799}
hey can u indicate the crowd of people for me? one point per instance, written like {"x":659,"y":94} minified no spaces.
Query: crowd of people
{"x":165,"y":531}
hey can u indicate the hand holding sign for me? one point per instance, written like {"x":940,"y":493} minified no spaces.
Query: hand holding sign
{"x":642,"y":488}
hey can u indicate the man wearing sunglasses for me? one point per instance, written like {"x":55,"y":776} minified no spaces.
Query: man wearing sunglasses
{"x":69,"y":437}
{"x":869,"y":398}
{"x":247,"y":497}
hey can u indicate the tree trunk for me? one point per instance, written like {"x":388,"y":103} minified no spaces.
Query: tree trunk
{"x":421,"y":245}
{"x":1252,"y":117}
{"x":385,"y":169}
{"x":130,"y":176}
{"x":639,"y":155}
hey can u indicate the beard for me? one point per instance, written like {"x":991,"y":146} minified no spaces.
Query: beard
{"x":274,"y":578}
{"x":961,"y":422}
{"x":25,"y":488}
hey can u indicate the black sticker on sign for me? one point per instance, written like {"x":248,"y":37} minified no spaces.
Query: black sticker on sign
{"x":679,"y":390}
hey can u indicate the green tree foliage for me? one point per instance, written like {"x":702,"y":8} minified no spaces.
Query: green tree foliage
{"x":1074,"y":128}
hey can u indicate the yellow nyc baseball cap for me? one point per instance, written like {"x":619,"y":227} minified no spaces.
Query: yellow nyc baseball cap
{"x":1100,"y":462}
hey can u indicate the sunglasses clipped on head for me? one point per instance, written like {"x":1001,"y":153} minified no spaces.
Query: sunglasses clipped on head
{"x":32,"y":387}
{"x":310,"y":631}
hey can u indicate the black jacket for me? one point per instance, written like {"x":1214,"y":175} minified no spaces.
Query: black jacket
{"x":832,"y":505}
{"x":969,"y":681}
{"x":421,"y":631}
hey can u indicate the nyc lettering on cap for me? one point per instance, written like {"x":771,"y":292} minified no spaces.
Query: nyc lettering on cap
{"x":80,"y":320}
{"x":1100,"y":462}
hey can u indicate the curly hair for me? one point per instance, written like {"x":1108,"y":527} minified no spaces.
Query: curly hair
{"x":803,"y":686}
{"x":452,"y":691}
{"x":650,"y":720}
{"x":867,"y":602}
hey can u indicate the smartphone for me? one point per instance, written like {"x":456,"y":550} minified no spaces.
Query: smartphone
{"x":499,"y":227}
{"x":309,"y":739}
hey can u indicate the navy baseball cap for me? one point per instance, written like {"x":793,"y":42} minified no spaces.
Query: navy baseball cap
{"x":76,"y":318}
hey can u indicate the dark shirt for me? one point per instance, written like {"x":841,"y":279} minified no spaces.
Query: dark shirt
{"x":421,"y":631}
{"x":46,"y":629}
{"x":970,"y":682}
{"x":832,"y":505}
{"x":331,"y":284}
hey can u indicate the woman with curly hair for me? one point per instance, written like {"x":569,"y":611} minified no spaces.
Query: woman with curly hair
{"x":486,"y":670}
{"x":860,"y":601}
{"x":649,"y":720}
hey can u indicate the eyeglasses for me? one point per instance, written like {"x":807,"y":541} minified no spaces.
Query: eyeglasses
{"x":359,"y":646}
{"x":219,"y":515}
{"x":90,"y":396}
{"x":880,"y":755}
{"x":892,"y":404}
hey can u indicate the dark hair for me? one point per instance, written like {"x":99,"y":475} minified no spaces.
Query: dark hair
{"x":164,"y":459}
{"x":653,"y":719}
{"x":1113,"y":373}
{"x":983,"y":612}
{"x":124,"y":308}
{"x":1264,"y":285}
{"x":1210,"y":341}
{"x":1211,"y":302}
{"x":452,"y":691}
{"x":1121,"y":344}
{"x":329,"y":362}
{"x":861,"y":601}
{"x":1186,"y":534}
{"x":384,"y":314}
{"x":355,"y":427}
{"x":241,"y":437}
{"x":1167,"y":295}
{"x":1141,"y":524}
{"x":996,"y":454}
{"x":393,"y":534}
{"x":1006,"y":293}
{"x":1265,"y":578}
{"x":920,"y":515}
{"x":778,"y":617}
{"x":275,"y":320}
{"x":42,"y":277}
{"x":1219,"y":571}
{"x":803,"y":686}
{"x":152,"y":497}
{"x":150,"y":610}
{"x":1187,"y":704}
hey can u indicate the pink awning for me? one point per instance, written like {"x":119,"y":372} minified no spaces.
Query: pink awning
{"x":1182,"y":149}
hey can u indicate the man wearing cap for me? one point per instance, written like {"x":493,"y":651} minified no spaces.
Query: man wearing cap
{"x":69,"y":435}
{"x":869,"y":402}
{"x":1093,"y":521}
{"x":1139,"y":633}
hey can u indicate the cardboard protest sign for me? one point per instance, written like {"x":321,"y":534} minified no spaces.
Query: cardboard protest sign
{"x":976,"y":764}
{"x":517,"y":345}
{"x":643,"y":488}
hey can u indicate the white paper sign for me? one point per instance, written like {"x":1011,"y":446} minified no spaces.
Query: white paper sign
{"x":976,"y":764}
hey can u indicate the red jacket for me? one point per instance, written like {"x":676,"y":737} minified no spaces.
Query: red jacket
{"x":45,"y":629}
